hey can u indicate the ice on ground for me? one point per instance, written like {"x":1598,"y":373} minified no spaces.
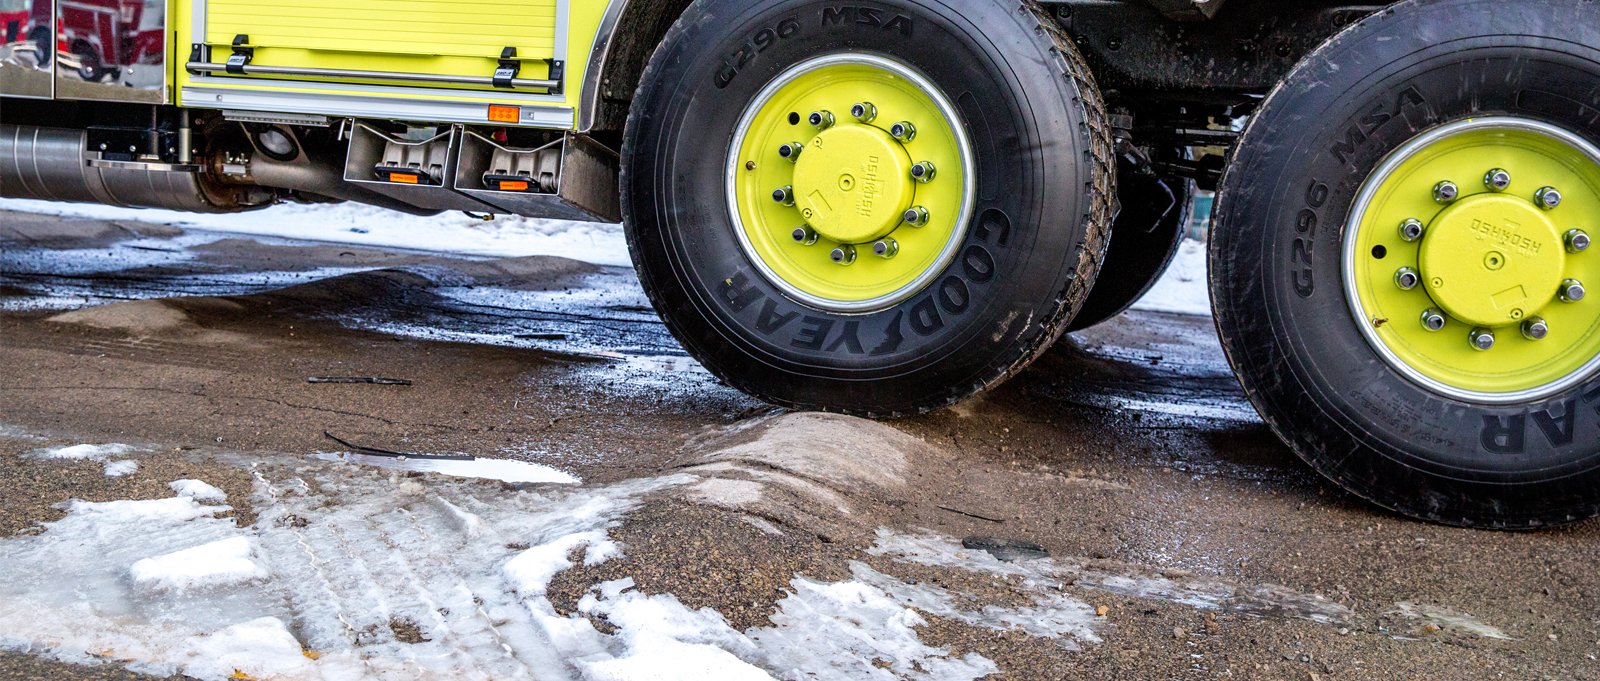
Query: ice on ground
{"x":530,"y":571}
{"x":662,"y":640}
{"x":1183,"y":288}
{"x":199,"y":490}
{"x":831,"y":631}
{"x":504,"y":470}
{"x":839,"y":631}
{"x":261,"y":648}
{"x":1053,"y":615}
{"x":506,"y":236}
{"x":1446,"y":618}
{"x":1050,"y":574}
{"x":121,"y":467}
{"x":219,"y":563}
{"x":114,"y":468}
{"x":175,"y":509}
{"x":343,"y":559}
{"x":84,"y":451}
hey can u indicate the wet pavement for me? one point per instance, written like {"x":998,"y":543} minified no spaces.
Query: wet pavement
{"x":1183,"y":540}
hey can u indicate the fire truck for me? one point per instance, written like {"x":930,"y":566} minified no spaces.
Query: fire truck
{"x":885,"y":207}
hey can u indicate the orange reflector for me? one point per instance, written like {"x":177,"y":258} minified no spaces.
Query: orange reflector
{"x":501,"y":113}
{"x":507,"y":186}
{"x":403,"y":178}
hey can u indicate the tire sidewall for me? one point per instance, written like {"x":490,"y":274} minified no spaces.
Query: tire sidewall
{"x":979,"y":313}
{"x":1278,"y":260}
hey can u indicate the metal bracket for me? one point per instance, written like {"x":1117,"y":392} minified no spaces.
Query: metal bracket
{"x":242,"y":54}
{"x":558,"y":73}
{"x":509,"y":67}
{"x":197,"y":54}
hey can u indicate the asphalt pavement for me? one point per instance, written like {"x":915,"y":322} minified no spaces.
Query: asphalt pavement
{"x":1117,"y":511}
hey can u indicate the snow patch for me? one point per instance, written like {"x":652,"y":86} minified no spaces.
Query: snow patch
{"x":121,"y":467}
{"x":220,"y":563}
{"x":530,"y":572}
{"x":662,"y":640}
{"x":504,"y":470}
{"x":1182,"y":289}
{"x":841,"y":630}
{"x":197,"y":490}
{"x":261,"y":648}
{"x":352,"y":223}
{"x":831,"y":631}
{"x":81,"y":452}
{"x":175,"y":509}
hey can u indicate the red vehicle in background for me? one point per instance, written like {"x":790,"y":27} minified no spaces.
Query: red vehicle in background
{"x":104,"y":37}
{"x":99,"y":39}
{"x":27,"y":20}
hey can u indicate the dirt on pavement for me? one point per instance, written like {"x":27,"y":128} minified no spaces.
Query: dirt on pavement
{"x":1115,"y":512}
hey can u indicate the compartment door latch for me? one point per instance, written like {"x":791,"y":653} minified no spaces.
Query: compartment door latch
{"x":242,"y":54}
{"x":509,"y":67}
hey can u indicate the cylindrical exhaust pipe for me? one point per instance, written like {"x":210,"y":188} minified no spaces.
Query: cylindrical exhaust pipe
{"x":50,"y":164}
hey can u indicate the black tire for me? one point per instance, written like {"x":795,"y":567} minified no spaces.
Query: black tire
{"x":43,"y":47}
{"x":89,"y":68}
{"x":1144,"y":240}
{"x":1275,"y":262}
{"x":1042,"y":152}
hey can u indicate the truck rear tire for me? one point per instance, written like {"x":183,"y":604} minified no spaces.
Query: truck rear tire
{"x":1441,"y":368}
{"x":889,"y":269}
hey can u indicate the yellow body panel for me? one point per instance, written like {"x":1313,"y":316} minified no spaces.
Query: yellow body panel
{"x":352,"y":28}
{"x":459,"y":38}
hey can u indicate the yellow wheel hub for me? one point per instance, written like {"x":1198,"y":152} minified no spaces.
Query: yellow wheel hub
{"x":853,"y":183}
{"x":850,"y":182}
{"x":1465,"y":260}
{"x":1492,"y":259}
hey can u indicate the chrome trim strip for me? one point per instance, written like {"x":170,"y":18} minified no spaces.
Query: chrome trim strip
{"x":558,"y":49}
{"x":359,"y":106}
{"x":255,"y":69}
{"x":589,"y":99}
{"x":1358,"y":210}
{"x":147,"y":166}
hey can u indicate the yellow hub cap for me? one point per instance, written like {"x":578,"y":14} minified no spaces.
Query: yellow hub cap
{"x":853,"y":183}
{"x":850,"y":182}
{"x":1491,"y":258}
{"x":1466,"y":255}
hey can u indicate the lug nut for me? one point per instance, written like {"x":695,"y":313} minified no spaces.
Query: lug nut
{"x":903,"y":131}
{"x":1432,"y":319}
{"x":864,"y":112}
{"x":1577,"y":240}
{"x":821,"y":120}
{"x":784,"y":194}
{"x":1547,"y":198}
{"x":916,"y":216}
{"x":1446,"y":192}
{"x":1571,"y":291}
{"x":845,"y":254}
{"x":1535,"y":328}
{"x":1497,"y":180}
{"x":1412,"y":229}
{"x":923,"y":172}
{"x":1481,"y":339}
{"x":886,"y":247}
{"x":804,"y":235}
{"x":791,"y":151}
{"x":1406,"y":278}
